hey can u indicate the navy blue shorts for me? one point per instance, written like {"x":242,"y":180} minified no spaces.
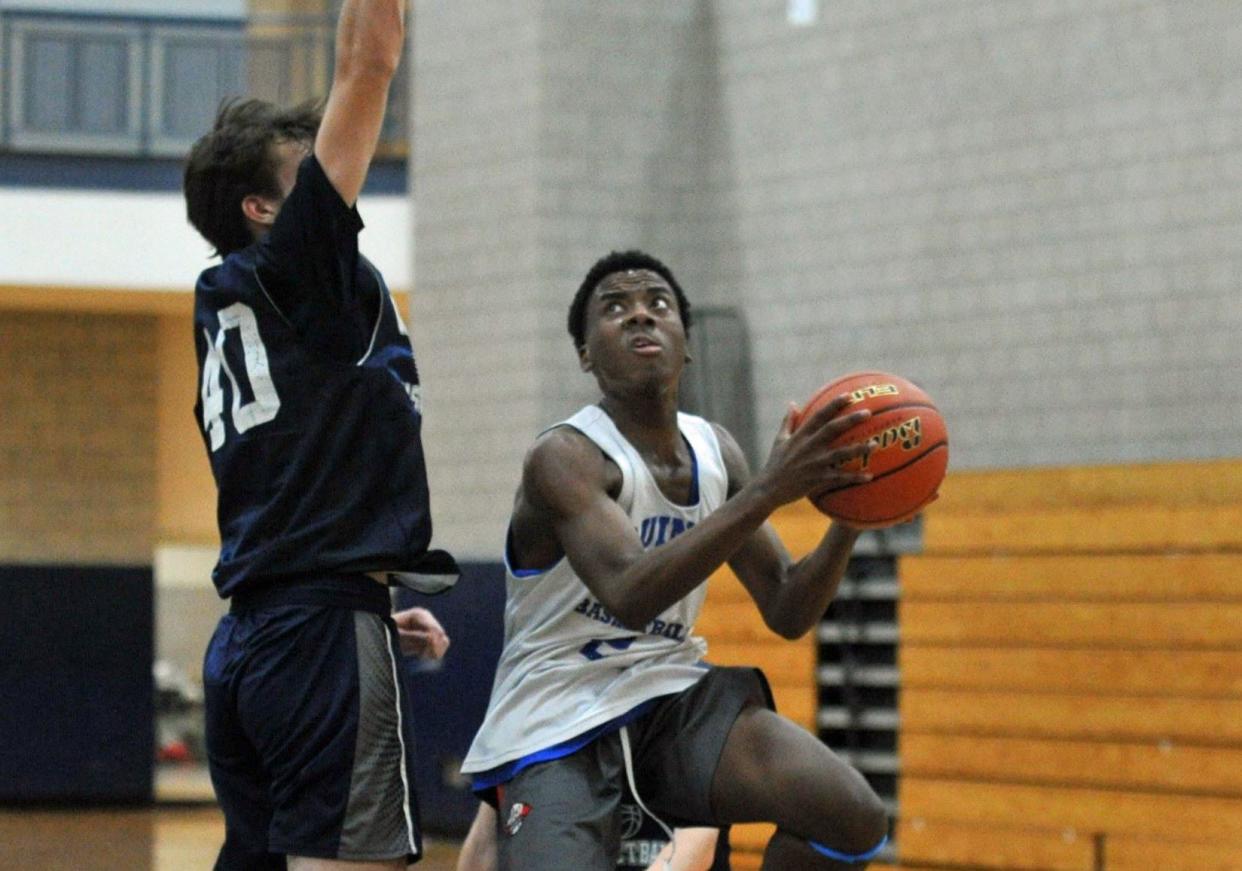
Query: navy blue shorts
{"x":309,"y":727}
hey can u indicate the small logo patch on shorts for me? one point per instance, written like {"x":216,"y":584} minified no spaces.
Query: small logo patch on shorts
{"x":517,"y":813}
{"x":631,"y":820}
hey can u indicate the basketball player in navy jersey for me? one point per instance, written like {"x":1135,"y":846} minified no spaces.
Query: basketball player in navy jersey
{"x":309,"y":409}
{"x":622,"y":513}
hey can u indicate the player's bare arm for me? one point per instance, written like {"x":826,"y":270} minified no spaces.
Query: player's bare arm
{"x":369,"y":40}
{"x":567,"y":496}
{"x":791,"y":596}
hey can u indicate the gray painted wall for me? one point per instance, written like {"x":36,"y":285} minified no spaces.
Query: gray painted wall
{"x":1032,"y":208}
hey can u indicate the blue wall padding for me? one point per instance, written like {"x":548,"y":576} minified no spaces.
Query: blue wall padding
{"x":77,"y":715}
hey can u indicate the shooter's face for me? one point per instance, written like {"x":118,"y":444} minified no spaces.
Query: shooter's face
{"x":634,"y":332}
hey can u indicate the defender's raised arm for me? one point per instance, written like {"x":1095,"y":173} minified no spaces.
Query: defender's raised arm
{"x":369,"y":41}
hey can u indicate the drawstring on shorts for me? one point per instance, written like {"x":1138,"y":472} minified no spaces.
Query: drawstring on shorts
{"x":629,"y":776}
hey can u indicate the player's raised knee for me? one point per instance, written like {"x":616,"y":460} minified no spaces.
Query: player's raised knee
{"x":867,"y":825}
{"x":863,"y":824}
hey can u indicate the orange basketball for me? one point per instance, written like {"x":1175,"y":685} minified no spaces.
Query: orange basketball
{"x":909,"y":449}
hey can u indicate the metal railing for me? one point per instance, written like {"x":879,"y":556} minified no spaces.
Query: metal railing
{"x":149,"y":86}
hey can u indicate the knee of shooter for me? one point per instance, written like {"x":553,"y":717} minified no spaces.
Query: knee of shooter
{"x":848,"y":858}
{"x":863,"y":825}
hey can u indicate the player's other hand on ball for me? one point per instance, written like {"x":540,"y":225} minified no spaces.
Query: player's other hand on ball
{"x":420,"y":633}
{"x":804,"y":459}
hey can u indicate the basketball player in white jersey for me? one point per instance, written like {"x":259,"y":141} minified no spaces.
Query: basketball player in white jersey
{"x":622,"y":513}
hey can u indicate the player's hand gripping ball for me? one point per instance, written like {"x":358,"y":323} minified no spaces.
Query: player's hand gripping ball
{"x":909,"y":450}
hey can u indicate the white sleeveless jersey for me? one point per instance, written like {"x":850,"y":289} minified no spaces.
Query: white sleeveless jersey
{"x":567,"y":664}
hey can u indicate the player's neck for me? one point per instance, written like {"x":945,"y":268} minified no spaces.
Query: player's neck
{"x":648,"y":422}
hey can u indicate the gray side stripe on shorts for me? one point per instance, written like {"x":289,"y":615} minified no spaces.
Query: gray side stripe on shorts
{"x":377,"y":819}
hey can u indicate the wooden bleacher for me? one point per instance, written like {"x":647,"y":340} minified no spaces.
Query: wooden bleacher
{"x":1071,"y":667}
{"x":1071,"y":671}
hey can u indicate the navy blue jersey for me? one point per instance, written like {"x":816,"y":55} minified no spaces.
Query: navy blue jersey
{"x":308,"y":402}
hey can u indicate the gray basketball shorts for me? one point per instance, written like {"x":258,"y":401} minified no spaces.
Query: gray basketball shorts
{"x":566,"y":813}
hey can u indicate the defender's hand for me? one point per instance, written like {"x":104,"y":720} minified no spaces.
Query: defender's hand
{"x":420,"y":634}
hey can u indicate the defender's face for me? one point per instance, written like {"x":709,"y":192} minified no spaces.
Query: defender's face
{"x":633,"y":330}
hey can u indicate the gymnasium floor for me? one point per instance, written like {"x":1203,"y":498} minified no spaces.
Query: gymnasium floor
{"x":166,"y":837}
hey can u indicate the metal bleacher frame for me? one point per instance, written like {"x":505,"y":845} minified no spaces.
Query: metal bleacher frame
{"x":282,"y":58}
{"x":857,"y":674}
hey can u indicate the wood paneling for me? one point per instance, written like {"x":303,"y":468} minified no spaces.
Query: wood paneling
{"x":734,"y":623}
{"x":1203,"y":721}
{"x":1107,"y":672}
{"x":1123,"y":529}
{"x":1160,"y":577}
{"x":944,"y":843}
{"x":171,"y":301}
{"x":1013,"y":805}
{"x":1156,"y":766}
{"x":1071,"y":669}
{"x":1071,"y":663}
{"x":751,"y":836}
{"x":1146,"y":854}
{"x":1129,"y":625}
{"x":1215,"y":482}
{"x":787,"y":663}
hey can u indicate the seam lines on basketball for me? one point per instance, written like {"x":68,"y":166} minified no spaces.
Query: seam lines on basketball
{"x":873,"y":522}
{"x":898,"y":407}
{"x":893,"y":471}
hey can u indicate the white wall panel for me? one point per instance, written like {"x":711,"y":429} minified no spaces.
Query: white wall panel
{"x":141,"y":241}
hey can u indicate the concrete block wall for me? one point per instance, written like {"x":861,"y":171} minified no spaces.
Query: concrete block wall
{"x":1030,"y":207}
{"x":546,"y":134}
{"x":476,"y":100}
